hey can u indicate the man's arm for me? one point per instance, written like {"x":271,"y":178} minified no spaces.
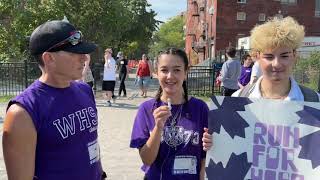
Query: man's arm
{"x":19,"y":144}
{"x":223,"y":72}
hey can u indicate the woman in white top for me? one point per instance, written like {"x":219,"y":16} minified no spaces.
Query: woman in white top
{"x":275,"y":43}
{"x":109,"y":75}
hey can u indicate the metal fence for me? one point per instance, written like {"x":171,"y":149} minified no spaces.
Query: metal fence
{"x":201,"y":80}
{"x":15,"y":77}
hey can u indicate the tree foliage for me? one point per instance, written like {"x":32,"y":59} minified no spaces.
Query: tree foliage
{"x":108,"y":23}
{"x":170,"y":34}
{"x":308,"y":70}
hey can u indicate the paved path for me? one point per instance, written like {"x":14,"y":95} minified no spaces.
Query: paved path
{"x":115,"y":124}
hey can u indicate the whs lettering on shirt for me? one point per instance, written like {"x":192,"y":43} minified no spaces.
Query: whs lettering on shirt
{"x":78,"y":121}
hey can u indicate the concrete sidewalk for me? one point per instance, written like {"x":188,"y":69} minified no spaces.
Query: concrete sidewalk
{"x":115,"y":123}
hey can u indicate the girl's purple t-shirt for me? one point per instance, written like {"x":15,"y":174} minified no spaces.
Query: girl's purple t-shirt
{"x":244,"y":78}
{"x":66,"y":122}
{"x":186,"y":136}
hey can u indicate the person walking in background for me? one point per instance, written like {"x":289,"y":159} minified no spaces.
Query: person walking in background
{"x":275,"y":43}
{"x":230,"y":73}
{"x":170,"y":129}
{"x":245,"y":71}
{"x":123,"y":72}
{"x":144,"y":74}
{"x":50,"y":130}
{"x":109,"y":75}
{"x":87,"y":76}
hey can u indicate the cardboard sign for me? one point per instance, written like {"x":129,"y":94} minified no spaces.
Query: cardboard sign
{"x":262,"y":139}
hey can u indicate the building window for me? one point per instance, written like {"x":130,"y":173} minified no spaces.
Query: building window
{"x":241,"y":16}
{"x":288,"y":1}
{"x":262,"y":17}
{"x":317,"y":12}
{"x":242,"y":1}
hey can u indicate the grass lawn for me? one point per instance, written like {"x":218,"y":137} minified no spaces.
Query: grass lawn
{"x":5,"y":99}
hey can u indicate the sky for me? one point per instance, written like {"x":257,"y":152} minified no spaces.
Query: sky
{"x":167,"y":8}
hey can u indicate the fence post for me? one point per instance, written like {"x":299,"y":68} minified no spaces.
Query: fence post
{"x":25,"y":73}
{"x":319,"y":83}
{"x":94,"y":69}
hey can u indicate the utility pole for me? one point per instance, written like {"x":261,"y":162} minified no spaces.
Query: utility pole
{"x":211,"y":12}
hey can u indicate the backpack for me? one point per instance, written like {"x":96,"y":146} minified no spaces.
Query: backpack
{"x":308,"y":94}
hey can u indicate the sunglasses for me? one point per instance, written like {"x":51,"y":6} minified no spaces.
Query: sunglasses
{"x":74,"y":39}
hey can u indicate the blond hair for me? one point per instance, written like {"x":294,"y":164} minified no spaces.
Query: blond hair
{"x":275,"y":33}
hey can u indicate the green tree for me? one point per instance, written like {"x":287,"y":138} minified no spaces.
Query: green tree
{"x":307,"y":70}
{"x":170,"y":34}
{"x":108,"y":23}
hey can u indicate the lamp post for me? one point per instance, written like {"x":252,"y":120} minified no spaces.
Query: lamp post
{"x":211,"y":12}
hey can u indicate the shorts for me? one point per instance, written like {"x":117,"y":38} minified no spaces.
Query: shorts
{"x":144,"y":81}
{"x":108,"y":85}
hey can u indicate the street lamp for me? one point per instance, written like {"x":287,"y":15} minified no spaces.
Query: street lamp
{"x":211,"y":12}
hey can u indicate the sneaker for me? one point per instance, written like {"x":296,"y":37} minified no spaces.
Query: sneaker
{"x":109,"y":103}
{"x":124,"y":95}
{"x":114,"y":99}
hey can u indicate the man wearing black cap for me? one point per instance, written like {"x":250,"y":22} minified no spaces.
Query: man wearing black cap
{"x":50,"y":130}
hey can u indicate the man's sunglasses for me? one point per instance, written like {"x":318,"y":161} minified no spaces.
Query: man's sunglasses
{"x":74,"y":39}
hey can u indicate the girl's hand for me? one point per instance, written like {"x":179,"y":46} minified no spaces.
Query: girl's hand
{"x":206,"y":140}
{"x":161,"y":114}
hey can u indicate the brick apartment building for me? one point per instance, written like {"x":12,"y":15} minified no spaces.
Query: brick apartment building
{"x":211,"y":25}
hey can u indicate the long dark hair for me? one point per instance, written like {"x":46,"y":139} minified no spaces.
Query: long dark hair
{"x":183,"y":55}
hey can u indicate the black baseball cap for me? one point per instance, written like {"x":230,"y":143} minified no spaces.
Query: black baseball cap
{"x":51,"y":33}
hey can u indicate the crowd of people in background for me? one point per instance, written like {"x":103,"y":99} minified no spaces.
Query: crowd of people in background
{"x":235,"y":73}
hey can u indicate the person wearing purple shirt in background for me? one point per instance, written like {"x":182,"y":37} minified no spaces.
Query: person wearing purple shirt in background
{"x":170,"y":130}
{"x":246,"y":68}
{"x":50,"y":130}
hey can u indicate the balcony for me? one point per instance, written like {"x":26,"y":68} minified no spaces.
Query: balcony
{"x":195,"y":14}
{"x":191,"y":32}
{"x":202,"y":5}
{"x":198,"y":46}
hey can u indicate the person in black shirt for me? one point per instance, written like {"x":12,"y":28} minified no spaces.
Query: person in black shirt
{"x":123,"y":71}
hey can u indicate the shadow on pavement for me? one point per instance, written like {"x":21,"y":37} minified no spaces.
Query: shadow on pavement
{"x":116,"y":105}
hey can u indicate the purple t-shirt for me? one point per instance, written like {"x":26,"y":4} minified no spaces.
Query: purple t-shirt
{"x":244,"y":78}
{"x":66,"y":122}
{"x":180,"y":151}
